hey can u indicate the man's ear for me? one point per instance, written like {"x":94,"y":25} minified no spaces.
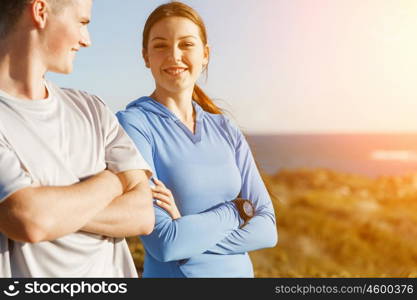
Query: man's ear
{"x":146,"y":58}
{"x":39,"y":12}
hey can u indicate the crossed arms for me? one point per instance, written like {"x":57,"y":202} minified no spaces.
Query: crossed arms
{"x":115,"y":205}
{"x":215,"y":231}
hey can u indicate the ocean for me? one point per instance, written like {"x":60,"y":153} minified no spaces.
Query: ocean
{"x":365,"y":154}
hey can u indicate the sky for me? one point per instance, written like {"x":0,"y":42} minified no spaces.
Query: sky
{"x":276,"y":66}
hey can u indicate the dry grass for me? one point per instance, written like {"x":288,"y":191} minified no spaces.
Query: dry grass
{"x":337,"y":225}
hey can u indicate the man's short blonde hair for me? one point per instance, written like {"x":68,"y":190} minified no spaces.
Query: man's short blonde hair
{"x":12,"y":10}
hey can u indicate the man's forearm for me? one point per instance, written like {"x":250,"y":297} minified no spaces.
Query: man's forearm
{"x":128,"y":215}
{"x":46,"y":213}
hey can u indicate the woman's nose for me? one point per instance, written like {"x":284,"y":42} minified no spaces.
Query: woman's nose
{"x":176,"y":54}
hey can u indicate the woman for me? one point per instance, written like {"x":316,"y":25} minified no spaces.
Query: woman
{"x":202,"y":160}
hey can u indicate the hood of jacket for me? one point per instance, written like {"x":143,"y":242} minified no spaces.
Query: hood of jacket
{"x":150,"y":105}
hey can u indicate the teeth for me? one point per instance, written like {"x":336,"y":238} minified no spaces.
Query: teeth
{"x":174,"y":71}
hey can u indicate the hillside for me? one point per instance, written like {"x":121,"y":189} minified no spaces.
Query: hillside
{"x":342,"y":225}
{"x":338,"y":225}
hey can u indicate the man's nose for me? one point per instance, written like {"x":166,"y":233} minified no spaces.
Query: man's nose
{"x":86,"y":40}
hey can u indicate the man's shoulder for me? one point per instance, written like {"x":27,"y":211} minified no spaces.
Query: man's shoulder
{"x":73,"y":94}
{"x":80,"y":95}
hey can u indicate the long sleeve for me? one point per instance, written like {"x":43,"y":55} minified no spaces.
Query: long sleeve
{"x":261,"y":230}
{"x":191,"y":234}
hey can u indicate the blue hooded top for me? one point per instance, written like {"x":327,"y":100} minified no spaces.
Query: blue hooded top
{"x":204,"y":170}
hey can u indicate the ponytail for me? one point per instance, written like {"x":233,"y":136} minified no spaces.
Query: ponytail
{"x":205,"y":102}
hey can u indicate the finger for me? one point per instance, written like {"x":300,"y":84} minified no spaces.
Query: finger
{"x":163,"y":190}
{"x":162,"y":197}
{"x":157,"y":188}
{"x":159,"y":182}
{"x":165,"y":206}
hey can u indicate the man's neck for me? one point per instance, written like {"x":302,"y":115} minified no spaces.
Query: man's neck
{"x":21,"y":72}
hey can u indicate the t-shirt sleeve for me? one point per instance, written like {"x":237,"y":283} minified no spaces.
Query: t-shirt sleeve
{"x":121,"y":153}
{"x":13,"y":177}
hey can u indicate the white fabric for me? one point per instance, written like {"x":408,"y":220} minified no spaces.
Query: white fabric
{"x":58,"y":141}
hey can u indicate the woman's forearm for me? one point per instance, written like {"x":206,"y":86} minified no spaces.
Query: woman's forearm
{"x":190,"y":235}
{"x":260,"y":232}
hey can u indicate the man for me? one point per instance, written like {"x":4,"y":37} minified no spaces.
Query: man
{"x":72,"y":185}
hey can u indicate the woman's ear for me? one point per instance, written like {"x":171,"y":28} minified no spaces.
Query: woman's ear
{"x":146,"y":58}
{"x":39,"y":12}
{"x":206,"y":58}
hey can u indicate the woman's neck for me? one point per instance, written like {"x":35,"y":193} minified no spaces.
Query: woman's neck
{"x":180,"y":104}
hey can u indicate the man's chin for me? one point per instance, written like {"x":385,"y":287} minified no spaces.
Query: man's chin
{"x":65,"y":70}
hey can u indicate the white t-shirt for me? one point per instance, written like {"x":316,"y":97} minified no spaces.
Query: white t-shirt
{"x":58,"y":141}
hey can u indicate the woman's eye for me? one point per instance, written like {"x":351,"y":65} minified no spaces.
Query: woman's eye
{"x":187,"y":45}
{"x":159,"y":46}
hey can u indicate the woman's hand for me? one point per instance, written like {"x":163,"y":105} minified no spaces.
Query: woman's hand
{"x":165,"y":199}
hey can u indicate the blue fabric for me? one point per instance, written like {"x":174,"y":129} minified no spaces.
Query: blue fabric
{"x":204,"y":171}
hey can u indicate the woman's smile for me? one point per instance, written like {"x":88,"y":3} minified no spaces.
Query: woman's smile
{"x":175,"y":71}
